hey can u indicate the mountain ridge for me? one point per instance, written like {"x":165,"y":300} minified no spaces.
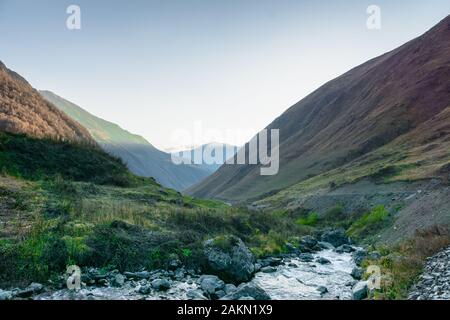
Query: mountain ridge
{"x":348,"y":117}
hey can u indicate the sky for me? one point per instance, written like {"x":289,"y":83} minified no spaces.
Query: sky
{"x":218,"y":70}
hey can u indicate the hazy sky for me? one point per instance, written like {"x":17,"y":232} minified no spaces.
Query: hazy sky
{"x":156,"y":66}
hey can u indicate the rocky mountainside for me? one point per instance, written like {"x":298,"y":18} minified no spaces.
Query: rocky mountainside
{"x":141,"y":157}
{"x":387,"y":117}
{"x":24,"y":111}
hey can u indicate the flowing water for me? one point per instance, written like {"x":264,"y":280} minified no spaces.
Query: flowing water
{"x":292,"y":280}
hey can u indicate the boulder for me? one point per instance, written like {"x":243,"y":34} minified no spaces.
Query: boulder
{"x":229,"y":258}
{"x":305,"y":257}
{"x":248,"y":290}
{"x":138,"y":275}
{"x":160,"y":284}
{"x":268,"y":269}
{"x":229,"y":288}
{"x":345,"y":248}
{"x":145,"y":289}
{"x":357,"y":273}
{"x":325,"y":245}
{"x":323,"y":260}
{"x":308,"y":244}
{"x":118,"y":280}
{"x":32,"y":289}
{"x":5,"y":295}
{"x":335,"y":237}
{"x":359,"y":256}
{"x":210,"y":284}
{"x":359,"y":291}
{"x":322,"y":290}
{"x":195,"y":295}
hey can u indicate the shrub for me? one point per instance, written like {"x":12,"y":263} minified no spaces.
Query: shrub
{"x":310,"y":220}
{"x":369,"y":222}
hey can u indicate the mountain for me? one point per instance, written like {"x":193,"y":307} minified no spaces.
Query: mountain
{"x":388,"y":116}
{"x":141,"y":157}
{"x":24,"y":111}
{"x":188,"y":155}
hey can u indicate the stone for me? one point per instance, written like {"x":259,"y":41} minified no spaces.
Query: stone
{"x":118,"y":280}
{"x":322,"y":290}
{"x":229,"y":288}
{"x":308,"y":244}
{"x":32,"y":289}
{"x":230,"y":259}
{"x":335,"y":237}
{"x":210,"y":284}
{"x":345,"y":248}
{"x":359,"y":256}
{"x":305,"y":257}
{"x":138,"y":275}
{"x":268,"y":269}
{"x":145,"y":289}
{"x":359,"y":291}
{"x":357,"y":273}
{"x":5,"y":295}
{"x":160,"y":284}
{"x":323,"y":260}
{"x":195,"y":295}
{"x":325,"y":245}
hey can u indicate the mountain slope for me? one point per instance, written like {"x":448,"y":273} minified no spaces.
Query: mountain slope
{"x":391,"y":99}
{"x":210,"y":148}
{"x":141,"y":157}
{"x":22,"y":110}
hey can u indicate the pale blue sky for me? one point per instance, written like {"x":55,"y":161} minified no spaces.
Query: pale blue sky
{"x":155,"y":66}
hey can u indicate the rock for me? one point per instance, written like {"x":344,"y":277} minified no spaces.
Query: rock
{"x":174,"y":264}
{"x":359,"y":291}
{"x":374,"y":255}
{"x":32,"y":289}
{"x":308,"y":244}
{"x":145,"y":289}
{"x":246,"y":298}
{"x":160,"y":284}
{"x":323,"y":260}
{"x":268,"y":269}
{"x":291,"y":248}
{"x":359,"y":256}
{"x":230,"y":288}
{"x":248,"y":290}
{"x":230,"y":259}
{"x":292,"y":265}
{"x":138,"y":275}
{"x":325,"y":245}
{"x":345,"y":248}
{"x":305,"y":257}
{"x":357,"y":273}
{"x":5,"y":295}
{"x":118,"y":280}
{"x":210,"y":284}
{"x":322,"y":290}
{"x":272,"y":262}
{"x":335,"y":237}
{"x":195,"y":295}
{"x":220,"y":294}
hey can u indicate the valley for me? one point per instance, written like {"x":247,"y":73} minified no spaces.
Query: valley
{"x":363,"y":183}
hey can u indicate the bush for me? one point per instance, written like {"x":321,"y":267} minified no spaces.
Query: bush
{"x":310,"y":220}
{"x":369,"y":223}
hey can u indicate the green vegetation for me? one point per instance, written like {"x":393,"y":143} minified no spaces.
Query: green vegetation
{"x":369,"y":223}
{"x":310,"y":220}
{"x":402,"y":264}
{"x":36,"y":159}
{"x":57,"y":214}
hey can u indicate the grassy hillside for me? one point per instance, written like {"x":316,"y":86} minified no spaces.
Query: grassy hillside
{"x":384,"y":106}
{"x":63,"y":204}
{"x":140,"y":156}
{"x":22,"y":110}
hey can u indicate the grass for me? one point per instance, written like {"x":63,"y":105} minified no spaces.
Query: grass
{"x":310,"y":220}
{"x":402,"y":264}
{"x":369,"y":223}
